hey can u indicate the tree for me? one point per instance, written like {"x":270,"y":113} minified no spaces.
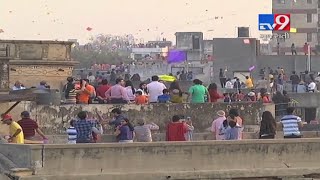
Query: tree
{"x":104,"y":49}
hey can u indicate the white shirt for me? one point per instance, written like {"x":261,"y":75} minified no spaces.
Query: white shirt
{"x":91,"y":79}
{"x":155,"y":89}
{"x":15,"y":88}
{"x":312,"y":86}
{"x":229,"y":85}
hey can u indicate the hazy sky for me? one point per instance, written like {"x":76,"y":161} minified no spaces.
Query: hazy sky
{"x":68,"y":19}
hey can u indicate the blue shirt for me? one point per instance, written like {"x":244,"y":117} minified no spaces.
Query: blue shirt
{"x":84,"y":129}
{"x":164,"y":98}
{"x":232,"y":133}
{"x":117,"y":121}
{"x":125,"y":133}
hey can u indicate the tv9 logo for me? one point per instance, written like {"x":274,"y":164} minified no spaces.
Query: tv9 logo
{"x":274,"y":22}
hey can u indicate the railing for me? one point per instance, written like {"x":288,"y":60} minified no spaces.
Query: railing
{"x":281,"y":108}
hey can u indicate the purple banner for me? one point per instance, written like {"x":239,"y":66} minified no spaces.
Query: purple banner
{"x":177,"y":56}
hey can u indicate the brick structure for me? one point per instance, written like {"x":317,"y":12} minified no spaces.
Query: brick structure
{"x":35,"y":61}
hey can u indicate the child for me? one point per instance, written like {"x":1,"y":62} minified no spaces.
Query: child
{"x":72,"y":133}
{"x":190,"y":129}
{"x":165,"y":97}
{"x":232,"y":132}
{"x":227,"y":97}
{"x":222,"y":129}
{"x":140,"y":99}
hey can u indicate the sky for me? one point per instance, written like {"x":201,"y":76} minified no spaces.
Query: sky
{"x":144,"y":19}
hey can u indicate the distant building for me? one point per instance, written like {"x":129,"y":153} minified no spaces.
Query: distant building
{"x":192,"y":43}
{"x":304,"y":17}
{"x":152,"y":50}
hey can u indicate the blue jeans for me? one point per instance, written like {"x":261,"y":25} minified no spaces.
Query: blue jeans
{"x":294,"y":87}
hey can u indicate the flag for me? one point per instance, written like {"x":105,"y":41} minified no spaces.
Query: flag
{"x":177,"y":56}
{"x":251,"y":68}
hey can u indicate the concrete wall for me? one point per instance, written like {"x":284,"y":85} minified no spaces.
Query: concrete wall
{"x":253,"y":134}
{"x":306,"y":99}
{"x":184,"y":40}
{"x":233,"y":53}
{"x":54,"y":119}
{"x":289,"y":63}
{"x":185,"y":160}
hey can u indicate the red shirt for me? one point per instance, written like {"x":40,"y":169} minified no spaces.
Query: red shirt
{"x":101,"y":90}
{"x":214,"y":95}
{"x":28,"y":127}
{"x":176,"y":131}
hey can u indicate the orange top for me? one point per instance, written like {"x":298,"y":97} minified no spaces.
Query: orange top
{"x":84,"y":96}
{"x":141,"y":99}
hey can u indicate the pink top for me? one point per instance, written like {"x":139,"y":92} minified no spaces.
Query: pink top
{"x":216,"y":124}
{"x":117,"y":92}
{"x":240,"y":123}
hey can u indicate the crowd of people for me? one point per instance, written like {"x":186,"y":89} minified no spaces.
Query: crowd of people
{"x":82,"y":129}
{"x":87,"y":91}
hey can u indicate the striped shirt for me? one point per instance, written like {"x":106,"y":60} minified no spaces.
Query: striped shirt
{"x":72,"y":98}
{"x":291,"y":125}
{"x":72,"y":135}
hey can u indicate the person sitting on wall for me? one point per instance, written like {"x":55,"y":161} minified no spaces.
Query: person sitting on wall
{"x":43,"y":85}
{"x":18,"y":86}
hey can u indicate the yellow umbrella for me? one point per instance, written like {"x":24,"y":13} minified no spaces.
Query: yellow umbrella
{"x":167,"y":78}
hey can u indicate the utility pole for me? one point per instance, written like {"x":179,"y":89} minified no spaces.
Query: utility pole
{"x":309,"y":58}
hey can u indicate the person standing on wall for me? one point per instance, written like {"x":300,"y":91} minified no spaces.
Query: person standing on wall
{"x":155,"y":89}
{"x":295,"y":79}
{"x":222,"y":77}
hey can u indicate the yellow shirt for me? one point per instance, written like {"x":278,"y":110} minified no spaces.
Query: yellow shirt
{"x":249,"y":83}
{"x":19,"y":139}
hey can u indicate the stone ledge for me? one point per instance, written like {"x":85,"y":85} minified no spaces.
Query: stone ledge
{"x":168,"y":144}
{"x":43,"y":62}
{"x":225,"y":174}
{"x":21,"y":172}
{"x":36,"y":42}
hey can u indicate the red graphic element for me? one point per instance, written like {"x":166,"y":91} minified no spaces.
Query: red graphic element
{"x":89,"y":29}
{"x":282,"y":22}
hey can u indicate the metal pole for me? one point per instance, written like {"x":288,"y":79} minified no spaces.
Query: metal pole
{"x":309,"y":58}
